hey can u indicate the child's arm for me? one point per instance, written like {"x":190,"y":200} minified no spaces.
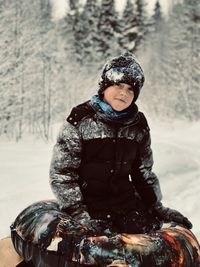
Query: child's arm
{"x":63,"y":172}
{"x":145,"y":181}
{"x":148,"y":186}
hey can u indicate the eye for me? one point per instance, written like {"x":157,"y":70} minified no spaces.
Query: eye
{"x":130,"y":90}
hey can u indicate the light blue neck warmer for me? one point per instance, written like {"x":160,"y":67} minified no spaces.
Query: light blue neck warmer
{"x":107,"y":109}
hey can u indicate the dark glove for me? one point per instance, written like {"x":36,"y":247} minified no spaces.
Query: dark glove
{"x":83,"y":217}
{"x":170,"y":215}
{"x":137,"y":222}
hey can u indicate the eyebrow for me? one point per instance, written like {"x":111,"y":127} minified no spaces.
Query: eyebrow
{"x":122,"y":85}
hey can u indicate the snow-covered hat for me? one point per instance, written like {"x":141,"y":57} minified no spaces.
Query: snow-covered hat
{"x":122,"y":69}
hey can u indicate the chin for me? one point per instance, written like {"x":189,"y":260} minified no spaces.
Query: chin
{"x":118,"y":109}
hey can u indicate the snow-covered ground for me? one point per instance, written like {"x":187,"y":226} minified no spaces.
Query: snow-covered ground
{"x":24,"y":168}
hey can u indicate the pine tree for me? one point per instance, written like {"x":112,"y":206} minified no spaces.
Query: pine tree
{"x":108,"y":28}
{"x":91,"y":15}
{"x":85,"y":32}
{"x":183,"y":51}
{"x":174,"y":75}
{"x":154,"y":58}
{"x":73,"y":4}
{"x":129,"y":31}
{"x":157,"y":16}
{"x":142,"y":22}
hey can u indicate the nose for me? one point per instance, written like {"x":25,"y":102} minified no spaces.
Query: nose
{"x":123,"y":92}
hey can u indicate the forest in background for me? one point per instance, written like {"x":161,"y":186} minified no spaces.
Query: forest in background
{"x":48,"y":65}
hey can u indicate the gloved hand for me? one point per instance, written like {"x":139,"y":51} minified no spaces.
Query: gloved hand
{"x":170,"y":215}
{"x":92,"y":225}
{"x":80,"y":215}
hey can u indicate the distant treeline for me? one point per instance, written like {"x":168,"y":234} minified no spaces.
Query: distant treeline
{"x":47,"y":66}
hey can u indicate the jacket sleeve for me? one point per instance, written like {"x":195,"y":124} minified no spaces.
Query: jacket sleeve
{"x":145,"y":181}
{"x":64,"y":166}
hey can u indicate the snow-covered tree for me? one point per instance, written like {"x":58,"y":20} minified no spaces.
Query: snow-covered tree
{"x":7,"y":61}
{"x":154,"y":59}
{"x":41,"y":76}
{"x":108,"y":28}
{"x":183,"y":51}
{"x":129,"y":29}
{"x":157,"y":16}
{"x":73,"y":4}
{"x":85,"y":32}
{"x":91,"y":14}
{"x":191,"y":10}
{"x":172,"y":70}
{"x":142,"y":22}
{"x":33,"y":67}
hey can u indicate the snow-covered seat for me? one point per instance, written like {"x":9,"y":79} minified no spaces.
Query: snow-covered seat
{"x":48,"y":237}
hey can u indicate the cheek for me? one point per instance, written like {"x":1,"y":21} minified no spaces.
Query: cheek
{"x":131,"y":97}
{"x":110,"y":95}
{"x":107,"y":97}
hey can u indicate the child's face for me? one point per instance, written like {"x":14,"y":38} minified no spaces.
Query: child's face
{"x":119,"y":96}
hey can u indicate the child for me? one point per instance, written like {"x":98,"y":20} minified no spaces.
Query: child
{"x":101,"y":170}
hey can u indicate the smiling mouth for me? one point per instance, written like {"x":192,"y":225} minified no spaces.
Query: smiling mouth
{"x":121,"y":100}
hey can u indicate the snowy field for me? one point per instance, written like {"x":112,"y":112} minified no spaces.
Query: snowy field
{"x":24,"y":168}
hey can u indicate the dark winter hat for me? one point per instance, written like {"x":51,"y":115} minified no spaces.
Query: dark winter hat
{"x":122,"y":69}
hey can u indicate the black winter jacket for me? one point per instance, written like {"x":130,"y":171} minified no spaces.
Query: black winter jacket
{"x":103,"y":166}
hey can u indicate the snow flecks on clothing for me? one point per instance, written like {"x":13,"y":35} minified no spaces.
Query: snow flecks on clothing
{"x":65,"y":158}
{"x":25,"y":165}
{"x":93,"y":131}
